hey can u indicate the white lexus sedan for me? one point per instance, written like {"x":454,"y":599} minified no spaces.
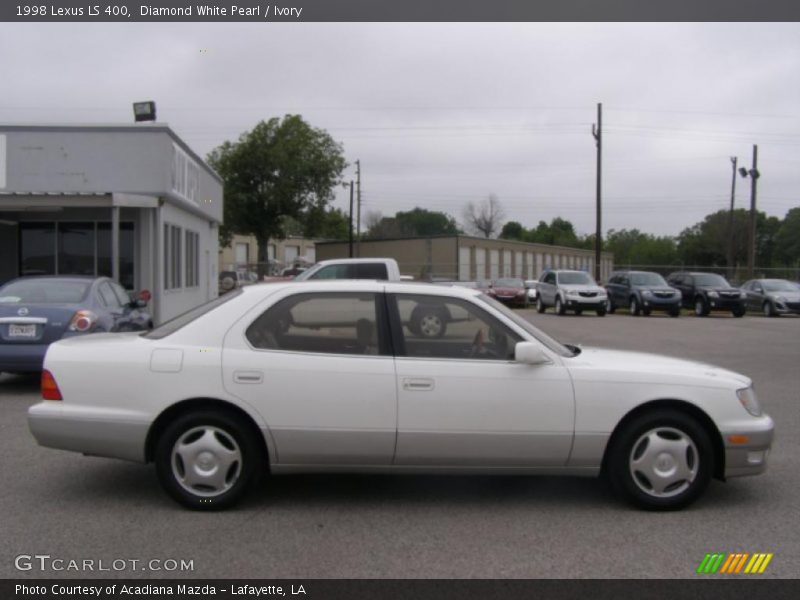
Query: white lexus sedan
{"x":330,"y":376}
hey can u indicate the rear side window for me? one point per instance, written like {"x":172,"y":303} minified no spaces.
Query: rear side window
{"x":371,"y":271}
{"x":329,"y":323}
{"x":173,"y":325}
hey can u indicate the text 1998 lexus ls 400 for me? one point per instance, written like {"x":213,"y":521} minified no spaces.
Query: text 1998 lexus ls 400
{"x":328,"y":376}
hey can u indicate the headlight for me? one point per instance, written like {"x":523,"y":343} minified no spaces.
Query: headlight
{"x":713,"y":295}
{"x":573,"y":294}
{"x":742,"y":294}
{"x":748,"y":398}
{"x":647,"y":293}
{"x":780,"y":299}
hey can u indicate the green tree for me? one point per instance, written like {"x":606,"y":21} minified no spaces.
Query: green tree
{"x":787,"y":239}
{"x":513,"y":230}
{"x":422,"y":222}
{"x":282,"y":168}
{"x":632,"y":247}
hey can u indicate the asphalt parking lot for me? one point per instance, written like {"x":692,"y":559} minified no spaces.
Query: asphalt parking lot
{"x":71,"y":507}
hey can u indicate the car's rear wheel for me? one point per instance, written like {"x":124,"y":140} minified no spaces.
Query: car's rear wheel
{"x":207,"y":460}
{"x":662,"y":460}
{"x":560,"y":308}
{"x":540,"y":307}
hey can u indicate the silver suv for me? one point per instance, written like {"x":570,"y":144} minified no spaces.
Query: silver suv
{"x":570,"y":290}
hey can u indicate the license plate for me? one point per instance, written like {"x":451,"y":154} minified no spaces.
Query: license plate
{"x":21,"y":331}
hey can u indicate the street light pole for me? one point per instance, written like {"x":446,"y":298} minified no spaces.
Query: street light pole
{"x":598,"y":239}
{"x":751,"y":229}
{"x":731,"y":244}
{"x":351,"y":219}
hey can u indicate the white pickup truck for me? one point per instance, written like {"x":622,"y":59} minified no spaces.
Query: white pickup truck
{"x":353,"y":268}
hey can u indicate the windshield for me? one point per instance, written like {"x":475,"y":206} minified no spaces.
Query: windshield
{"x":508,"y":282}
{"x":653,"y":279}
{"x":44,"y":291}
{"x":173,"y":325}
{"x":711,"y":280}
{"x":538,"y":334}
{"x":779,"y":285}
{"x":575,"y":277}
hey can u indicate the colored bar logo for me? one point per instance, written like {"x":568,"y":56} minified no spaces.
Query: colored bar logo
{"x":735,"y":563}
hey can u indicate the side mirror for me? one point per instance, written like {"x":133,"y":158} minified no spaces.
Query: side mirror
{"x":530,"y":353}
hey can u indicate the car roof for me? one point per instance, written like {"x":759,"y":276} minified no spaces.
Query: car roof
{"x":363,"y":285}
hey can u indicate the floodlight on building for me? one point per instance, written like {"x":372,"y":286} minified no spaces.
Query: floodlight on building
{"x":144,"y":111}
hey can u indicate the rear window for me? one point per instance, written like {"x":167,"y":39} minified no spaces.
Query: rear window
{"x":173,"y":325}
{"x":44,"y":291}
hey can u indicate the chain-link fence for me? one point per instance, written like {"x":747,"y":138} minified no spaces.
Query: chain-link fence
{"x":735,"y":275}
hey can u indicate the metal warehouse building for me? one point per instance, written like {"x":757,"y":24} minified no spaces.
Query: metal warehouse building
{"x":133,"y":202}
{"x":467,"y":258}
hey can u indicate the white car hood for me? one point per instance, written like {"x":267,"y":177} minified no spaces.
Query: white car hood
{"x":606,"y":365}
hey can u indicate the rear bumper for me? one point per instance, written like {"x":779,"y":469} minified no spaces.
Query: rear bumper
{"x":22,"y":358}
{"x":106,"y":433}
{"x":749,"y":458}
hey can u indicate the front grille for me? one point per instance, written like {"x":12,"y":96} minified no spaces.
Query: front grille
{"x":793,"y":305}
{"x":729,"y":294}
{"x":663,"y":294}
{"x":588,"y":294}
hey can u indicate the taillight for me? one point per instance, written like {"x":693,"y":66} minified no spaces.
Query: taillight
{"x":50,"y":389}
{"x":82,"y":321}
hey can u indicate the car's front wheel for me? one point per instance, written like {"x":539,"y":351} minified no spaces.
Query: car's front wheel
{"x":206,"y":460}
{"x":633,"y":309}
{"x":769,"y":309}
{"x":560,"y":308}
{"x":661,"y":460}
{"x":700,"y":307}
{"x":540,"y":307}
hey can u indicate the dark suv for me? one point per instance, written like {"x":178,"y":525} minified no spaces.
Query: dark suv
{"x":708,"y":291}
{"x":642,"y":292}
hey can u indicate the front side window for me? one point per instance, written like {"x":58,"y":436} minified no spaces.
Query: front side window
{"x":328,"y":323}
{"x":438,"y":327}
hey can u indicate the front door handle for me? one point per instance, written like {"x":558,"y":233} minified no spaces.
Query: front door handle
{"x":248,"y":376}
{"x":418,"y":384}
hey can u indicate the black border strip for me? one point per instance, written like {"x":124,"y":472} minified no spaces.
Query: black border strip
{"x":406,"y":11}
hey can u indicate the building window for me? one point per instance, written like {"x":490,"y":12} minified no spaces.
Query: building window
{"x":242,"y":254}
{"x":192,"y":259}
{"x":173,"y":236}
{"x":75,"y":248}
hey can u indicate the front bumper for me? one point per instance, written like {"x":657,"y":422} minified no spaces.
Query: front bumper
{"x":512,"y":300}
{"x":748,"y":457}
{"x":595,"y":303}
{"x":22,"y":358}
{"x":656,"y":303}
{"x":97,"y":432}
{"x":726,"y":304}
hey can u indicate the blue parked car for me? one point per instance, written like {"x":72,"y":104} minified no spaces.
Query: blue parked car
{"x":37,"y":311}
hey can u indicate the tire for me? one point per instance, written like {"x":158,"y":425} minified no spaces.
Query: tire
{"x":220,"y":443}
{"x":669,"y":479}
{"x":769,"y":309}
{"x":601,"y":312}
{"x":700,"y":307}
{"x":540,"y":307}
{"x":675,"y":312}
{"x":610,"y":308}
{"x":633,"y":308}
{"x":429,"y":324}
{"x":646,"y":312}
{"x":739,"y":312}
{"x":560,"y":308}
{"x":578,"y":312}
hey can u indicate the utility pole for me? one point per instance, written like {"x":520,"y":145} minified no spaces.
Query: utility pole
{"x":358,"y":210}
{"x":351,"y":219}
{"x":751,"y":226}
{"x":597,"y":132}
{"x":731,"y":243}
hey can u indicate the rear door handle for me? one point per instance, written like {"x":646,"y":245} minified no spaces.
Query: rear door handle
{"x":418,"y":384}
{"x":248,"y":376}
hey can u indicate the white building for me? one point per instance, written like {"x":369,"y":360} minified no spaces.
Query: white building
{"x":133,"y":202}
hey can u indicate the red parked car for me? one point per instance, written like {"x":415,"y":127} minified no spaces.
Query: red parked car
{"x":510,"y":291}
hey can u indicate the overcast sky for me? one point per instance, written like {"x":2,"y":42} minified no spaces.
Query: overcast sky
{"x":441,"y":114}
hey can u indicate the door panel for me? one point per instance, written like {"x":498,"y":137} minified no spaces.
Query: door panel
{"x":337,"y":405}
{"x":477,"y":408}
